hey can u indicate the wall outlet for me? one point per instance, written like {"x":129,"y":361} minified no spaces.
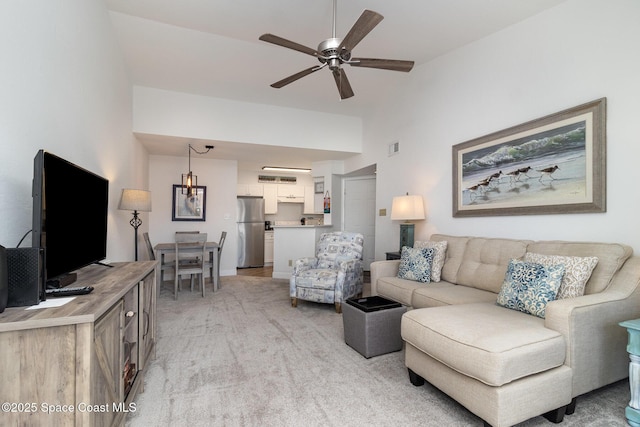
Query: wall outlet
{"x":290,"y":263}
{"x":382,"y":212}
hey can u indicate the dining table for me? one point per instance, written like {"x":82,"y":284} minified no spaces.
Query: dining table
{"x":163,"y":249}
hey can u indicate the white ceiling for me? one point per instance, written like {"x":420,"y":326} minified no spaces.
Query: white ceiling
{"x":211,"y":48}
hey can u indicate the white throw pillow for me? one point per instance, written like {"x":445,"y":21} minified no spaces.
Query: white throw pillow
{"x":440,"y":249}
{"x":577,"y":271}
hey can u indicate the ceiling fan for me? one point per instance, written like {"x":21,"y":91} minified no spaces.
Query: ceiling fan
{"x":334,"y":52}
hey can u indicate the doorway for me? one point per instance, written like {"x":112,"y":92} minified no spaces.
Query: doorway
{"x":359,"y":212}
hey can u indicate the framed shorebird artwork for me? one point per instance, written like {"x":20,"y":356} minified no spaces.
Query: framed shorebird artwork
{"x":552,"y":165}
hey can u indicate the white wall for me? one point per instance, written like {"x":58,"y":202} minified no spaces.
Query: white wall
{"x":64,"y":89}
{"x":577,"y":52}
{"x":162,"y":112}
{"x":220,"y":178}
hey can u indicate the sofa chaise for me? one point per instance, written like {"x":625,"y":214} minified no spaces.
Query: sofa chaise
{"x":505,"y":365}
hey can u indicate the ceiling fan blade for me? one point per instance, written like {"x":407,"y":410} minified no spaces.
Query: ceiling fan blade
{"x":385,"y":64}
{"x":343,"y":83}
{"x":270,"y":38}
{"x":367,"y":22}
{"x":292,"y":78}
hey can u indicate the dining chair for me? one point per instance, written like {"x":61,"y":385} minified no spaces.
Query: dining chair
{"x":147,"y":241}
{"x":188,"y":260}
{"x":188,"y":244}
{"x":164,"y":265}
{"x":223,"y":237}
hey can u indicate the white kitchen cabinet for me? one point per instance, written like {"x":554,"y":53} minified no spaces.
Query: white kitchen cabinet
{"x":270,"y":199}
{"x":250,"y":190}
{"x":268,"y":247}
{"x":288,"y":193}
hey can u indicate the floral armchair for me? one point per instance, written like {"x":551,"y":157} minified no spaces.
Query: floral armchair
{"x":334,"y":275}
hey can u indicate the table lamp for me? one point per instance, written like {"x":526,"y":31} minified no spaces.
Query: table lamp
{"x":136,"y":201}
{"x":407,"y":208}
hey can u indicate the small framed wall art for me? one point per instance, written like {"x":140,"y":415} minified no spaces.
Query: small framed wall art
{"x":189,"y":208}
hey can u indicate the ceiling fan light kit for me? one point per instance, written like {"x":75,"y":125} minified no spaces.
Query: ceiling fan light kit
{"x":334,"y":52}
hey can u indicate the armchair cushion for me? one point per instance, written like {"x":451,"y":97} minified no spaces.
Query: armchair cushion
{"x":303,"y":264}
{"x":319,"y":278}
{"x":334,"y":248}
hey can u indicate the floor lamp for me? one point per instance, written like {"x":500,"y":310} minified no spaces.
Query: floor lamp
{"x":136,"y":201}
{"x":407,"y":208}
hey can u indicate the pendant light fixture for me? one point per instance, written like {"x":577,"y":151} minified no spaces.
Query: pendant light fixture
{"x":189,"y":180}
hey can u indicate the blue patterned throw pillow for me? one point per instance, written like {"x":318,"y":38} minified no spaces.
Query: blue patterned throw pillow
{"x":415,"y":264}
{"x":529,"y":286}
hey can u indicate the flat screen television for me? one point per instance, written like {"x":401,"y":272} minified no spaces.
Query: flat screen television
{"x":70,"y":206}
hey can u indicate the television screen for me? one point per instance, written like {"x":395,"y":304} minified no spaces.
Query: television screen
{"x":69,"y":214}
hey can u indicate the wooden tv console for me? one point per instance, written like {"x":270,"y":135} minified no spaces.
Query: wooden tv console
{"x":80,"y":364}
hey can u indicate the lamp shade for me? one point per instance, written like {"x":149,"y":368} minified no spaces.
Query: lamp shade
{"x":407,"y":208}
{"x":135,"y":200}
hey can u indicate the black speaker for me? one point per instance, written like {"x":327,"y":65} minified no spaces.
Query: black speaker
{"x":4,"y":286}
{"x":26,"y":276}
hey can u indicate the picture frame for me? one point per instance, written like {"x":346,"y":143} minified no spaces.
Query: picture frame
{"x":191,"y":208}
{"x":552,"y":165}
{"x":318,"y":187}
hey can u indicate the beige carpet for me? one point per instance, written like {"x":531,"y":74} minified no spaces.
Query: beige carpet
{"x":244,"y":357}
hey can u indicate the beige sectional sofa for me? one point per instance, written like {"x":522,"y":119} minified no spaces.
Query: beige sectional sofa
{"x":504,"y":365}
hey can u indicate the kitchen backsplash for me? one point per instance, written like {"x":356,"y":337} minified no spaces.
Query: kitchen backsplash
{"x":291,"y":213}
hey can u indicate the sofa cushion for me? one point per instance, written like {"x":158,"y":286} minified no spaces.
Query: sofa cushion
{"x":456,"y":246}
{"x":397,"y":289}
{"x":610,"y":256}
{"x":577,"y":271}
{"x":415,"y":264}
{"x":528,"y":287}
{"x":487,"y":342}
{"x":440,"y":251}
{"x":485,"y":262}
{"x":445,"y":293}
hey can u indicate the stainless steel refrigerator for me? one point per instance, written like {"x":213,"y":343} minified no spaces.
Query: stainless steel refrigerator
{"x":250,"y":232}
